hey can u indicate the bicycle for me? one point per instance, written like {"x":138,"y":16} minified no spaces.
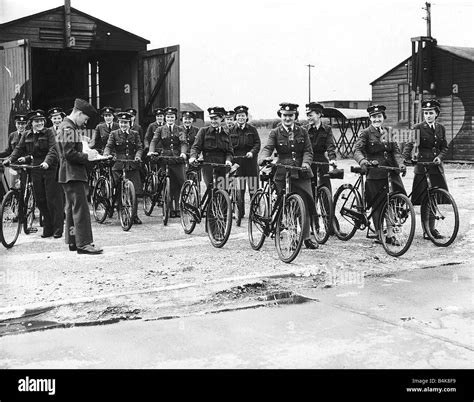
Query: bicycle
{"x":109,"y":195}
{"x":214,"y":206}
{"x":439,"y":210}
{"x":18,"y":208}
{"x":323,"y":202}
{"x":237,"y":198}
{"x":280,"y":214}
{"x":397,"y":217}
{"x":158,"y":186}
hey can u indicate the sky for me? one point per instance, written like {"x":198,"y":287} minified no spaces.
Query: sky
{"x":256,"y":52}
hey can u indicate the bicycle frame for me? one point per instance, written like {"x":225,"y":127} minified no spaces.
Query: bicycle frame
{"x":361,"y":218}
{"x":270,"y":221}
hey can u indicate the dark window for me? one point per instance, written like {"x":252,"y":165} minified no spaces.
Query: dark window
{"x":403,"y":102}
{"x":93,"y":81}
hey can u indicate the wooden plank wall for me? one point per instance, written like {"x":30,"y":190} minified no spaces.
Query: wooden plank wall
{"x":454,"y":78}
{"x":15,"y":86}
{"x":385,"y":92}
{"x":47,"y":31}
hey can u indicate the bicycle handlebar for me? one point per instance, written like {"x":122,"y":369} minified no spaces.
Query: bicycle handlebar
{"x":23,"y":166}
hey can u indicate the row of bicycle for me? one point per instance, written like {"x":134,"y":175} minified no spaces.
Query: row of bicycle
{"x":280,"y":215}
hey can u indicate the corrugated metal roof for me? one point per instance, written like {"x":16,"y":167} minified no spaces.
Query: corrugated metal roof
{"x":190,"y":107}
{"x":464,"y":52}
{"x":346,"y":113}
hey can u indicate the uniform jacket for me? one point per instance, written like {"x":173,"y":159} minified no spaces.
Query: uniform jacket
{"x":190,"y":135}
{"x":212,"y":144}
{"x":285,"y":144}
{"x":432,"y":143}
{"x":13,"y":140}
{"x":101,"y":135}
{"x":138,"y":128}
{"x":125,"y":146}
{"x":373,"y":145}
{"x":165,"y":139}
{"x":322,"y":140}
{"x":73,"y":162}
{"x":42,"y":146}
{"x":246,"y":140}
{"x":150,"y":132}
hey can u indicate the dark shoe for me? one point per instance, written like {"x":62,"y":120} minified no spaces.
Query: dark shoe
{"x":72,"y":247}
{"x":172,"y":214}
{"x":436,"y":234}
{"x":308,"y":243}
{"x":177,"y":214}
{"x":58,"y":235}
{"x":393,"y":241}
{"x":89,"y":249}
{"x":46,"y":235}
{"x":137,"y":221}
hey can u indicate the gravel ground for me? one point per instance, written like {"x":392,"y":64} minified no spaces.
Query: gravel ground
{"x":39,"y":270}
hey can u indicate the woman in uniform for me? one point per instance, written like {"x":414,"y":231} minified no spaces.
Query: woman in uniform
{"x":432,"y":147}
{"x":214,"y":143}
{"x":293,"y":146}
{"x":246,"y":143}
{"x":374,"y":144}
{"x":126,"y":144}
{"x":172,"y":140}
{"x":38,"y":146}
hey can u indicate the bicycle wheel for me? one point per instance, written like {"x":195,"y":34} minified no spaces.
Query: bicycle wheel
{"x":30,"y":205}
{"x":10,"y":213}
{"x":219,"y":218}
{"x":128,"y":205}
{"x":166,"y":201}
{"x":289,"y":228}
{"x":149,"y":194}
{"x":397,"y":225}
{"x":440,"y":217}
{"x":322,"y":221}
{"x":188,"y":206}
{"x":259,"y":216}
{"x":101,"y":199}
{"x":347,"y":201}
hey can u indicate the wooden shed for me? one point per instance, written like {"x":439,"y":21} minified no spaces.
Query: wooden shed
{"x":50,"y":58}
{"x":433,"y":71}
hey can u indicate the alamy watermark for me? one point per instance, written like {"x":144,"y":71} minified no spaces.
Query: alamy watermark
{"x":19,"y":278}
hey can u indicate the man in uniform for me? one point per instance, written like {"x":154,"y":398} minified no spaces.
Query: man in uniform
{"x":215,"y":145}
{"x":13,"y":140}
{"x":322,"y":140}
{"x":126,"y":144}
{"x":73,"y":177}
{"x":293,"y":146}
{"x":38,"y":146}
{"x":246,"y":144}
{"x":103,"y":129}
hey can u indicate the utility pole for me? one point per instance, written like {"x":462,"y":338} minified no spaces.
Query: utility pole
{"x":309,"y":81}
{"x":428,"y":19}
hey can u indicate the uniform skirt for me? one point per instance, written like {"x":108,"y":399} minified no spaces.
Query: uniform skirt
{"x":375,"y":187}
{"x":420,"y":186}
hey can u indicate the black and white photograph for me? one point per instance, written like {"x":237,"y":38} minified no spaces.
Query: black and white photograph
{"x":272,"y":196}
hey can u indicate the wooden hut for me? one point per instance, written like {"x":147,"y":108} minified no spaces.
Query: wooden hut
{"x":50,"y":58}
{"x":432,"y":71}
